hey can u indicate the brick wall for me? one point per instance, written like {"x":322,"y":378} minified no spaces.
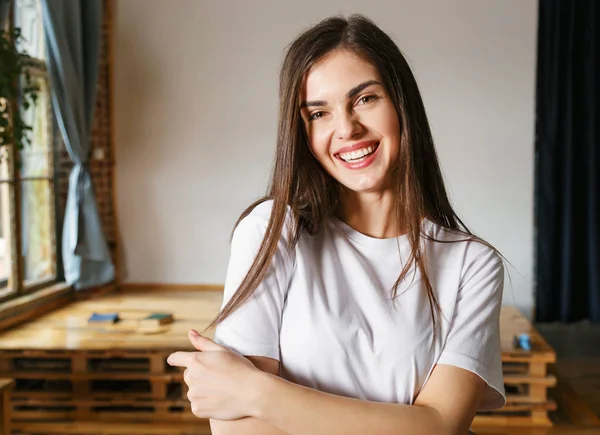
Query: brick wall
{"x":102,"y":159}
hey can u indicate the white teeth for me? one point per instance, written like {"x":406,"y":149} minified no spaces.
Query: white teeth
{"x":357,"y":154}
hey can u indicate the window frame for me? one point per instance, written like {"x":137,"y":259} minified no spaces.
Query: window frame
{"x":22,"y":288}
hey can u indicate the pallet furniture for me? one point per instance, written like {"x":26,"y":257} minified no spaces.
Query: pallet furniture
{"x":526,"y":377}
{"x":5,"y":415}
{"x":67,"y":370}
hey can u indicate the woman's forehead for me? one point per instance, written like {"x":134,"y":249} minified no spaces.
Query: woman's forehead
{"x":336,"y":74}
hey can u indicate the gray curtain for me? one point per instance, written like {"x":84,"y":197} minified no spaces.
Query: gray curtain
{"x":4,"y":6}
{"x":72,"y":33}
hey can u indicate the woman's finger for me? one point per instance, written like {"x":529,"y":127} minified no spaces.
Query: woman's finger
{"x":180,"y":359}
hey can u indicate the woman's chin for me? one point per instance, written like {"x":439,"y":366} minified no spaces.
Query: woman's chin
{"x":364,"y":185}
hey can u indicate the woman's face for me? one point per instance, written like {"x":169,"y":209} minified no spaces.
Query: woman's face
{"x":351,"y":123}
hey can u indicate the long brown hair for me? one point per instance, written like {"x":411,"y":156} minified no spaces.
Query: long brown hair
{"x":299,"y":181}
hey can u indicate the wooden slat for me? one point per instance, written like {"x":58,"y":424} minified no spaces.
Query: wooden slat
{"x":526,"y":357}
{"x":168,"y":377}
{"x":548,"y":381}
{"x":89,"y":353}
{"x":112,"y":366}
{"x":116,"y":400}
{"x":515,"y":368}
{"x":41,"y":395}
{"x":510,"y":421}
{"x":524,"y":407}
{"x":49,"y":396}
{"x":70,"y":416}
{"x":523,"y":399}
{"x":43,"y":415}
{"x":100,"y":415}
{"x":128,"y":417}
{"x":200,"y":427}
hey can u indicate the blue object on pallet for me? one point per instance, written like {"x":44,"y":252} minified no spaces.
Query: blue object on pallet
{"x":104,"y":318}
{"x":523,"y":341}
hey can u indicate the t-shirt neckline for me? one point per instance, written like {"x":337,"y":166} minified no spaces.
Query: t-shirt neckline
{"x":374,"y":242}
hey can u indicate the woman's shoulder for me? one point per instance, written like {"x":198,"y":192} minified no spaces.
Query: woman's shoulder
{"x":258,"y":218}
{"x":263,"y":210}
{"x":472,"y":264}
{"x":469,"y":249}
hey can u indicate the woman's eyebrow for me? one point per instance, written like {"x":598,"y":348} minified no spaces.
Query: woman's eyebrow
{"x":313,"y":103}
{"x":356,"y":90}
{"x":351,"y":94}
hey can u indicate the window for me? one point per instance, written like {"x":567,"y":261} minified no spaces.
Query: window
{"x":28,"y":229}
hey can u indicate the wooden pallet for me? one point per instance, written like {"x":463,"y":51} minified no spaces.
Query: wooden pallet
{"x":94,"y":385}
{"x":526,"y":378}
{"x":67,"y":371}
{"x":60,"y":358}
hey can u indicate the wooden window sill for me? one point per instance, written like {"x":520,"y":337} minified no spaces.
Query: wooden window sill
{"x":26,"y":307}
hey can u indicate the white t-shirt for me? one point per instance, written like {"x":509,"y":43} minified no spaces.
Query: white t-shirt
{"x":325,"y":311}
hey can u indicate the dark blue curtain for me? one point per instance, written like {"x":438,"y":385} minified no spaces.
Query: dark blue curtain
{"x":72,"y":29}
{"x":567,"y":162}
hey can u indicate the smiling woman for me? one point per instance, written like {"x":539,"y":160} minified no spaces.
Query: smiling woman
{"x":363,"y":302}
{"x":351,"y":127}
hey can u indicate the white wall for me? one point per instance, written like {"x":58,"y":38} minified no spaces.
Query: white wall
{"x":196,"y":105}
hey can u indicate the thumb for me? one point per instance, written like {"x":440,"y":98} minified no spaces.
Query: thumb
{"x":202,"y":343}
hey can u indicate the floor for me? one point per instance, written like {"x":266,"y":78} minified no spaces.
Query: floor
{"x":578,"y":358}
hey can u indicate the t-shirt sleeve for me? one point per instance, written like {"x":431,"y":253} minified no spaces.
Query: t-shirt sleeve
{"x":253,"y":329}
{"x":473,"y":341}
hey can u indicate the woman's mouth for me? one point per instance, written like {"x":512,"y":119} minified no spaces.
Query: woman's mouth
{"x":360,"y":158}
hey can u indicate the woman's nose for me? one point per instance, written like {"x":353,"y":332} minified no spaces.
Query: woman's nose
{"x":348,"y":126}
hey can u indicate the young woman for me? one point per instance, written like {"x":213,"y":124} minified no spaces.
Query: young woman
{"x":356,"y":301}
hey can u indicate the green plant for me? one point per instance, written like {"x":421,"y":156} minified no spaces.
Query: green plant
{"x":16,"y":89}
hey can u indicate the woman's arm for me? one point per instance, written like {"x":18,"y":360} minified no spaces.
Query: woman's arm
{"x":445,"y":406}
{"x":250,"y":425}
{"x":224,"y":385}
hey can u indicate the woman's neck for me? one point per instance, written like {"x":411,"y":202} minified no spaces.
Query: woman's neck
{"x":372,"y":214}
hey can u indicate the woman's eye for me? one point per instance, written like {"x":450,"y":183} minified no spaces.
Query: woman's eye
{"x":366,"y":99}
{"x":316,"y":115}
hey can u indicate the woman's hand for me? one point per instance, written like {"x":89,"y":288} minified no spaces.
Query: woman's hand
{"x":223,"y":385}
